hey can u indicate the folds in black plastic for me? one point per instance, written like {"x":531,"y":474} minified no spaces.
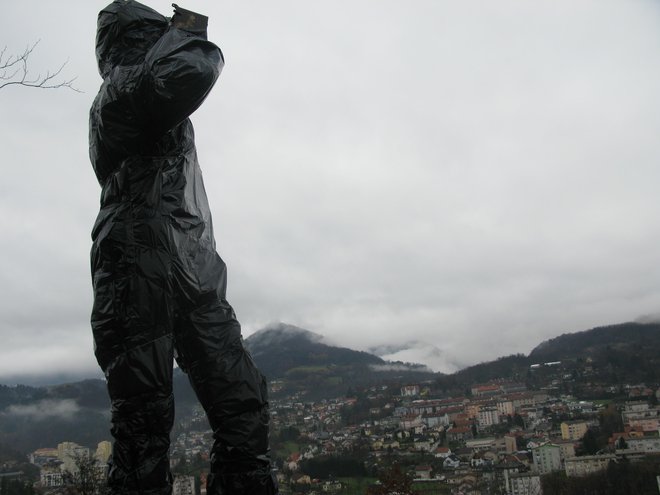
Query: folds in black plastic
{"x":159,"y":284}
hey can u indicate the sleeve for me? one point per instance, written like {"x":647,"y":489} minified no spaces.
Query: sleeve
{"x":181,"y":69}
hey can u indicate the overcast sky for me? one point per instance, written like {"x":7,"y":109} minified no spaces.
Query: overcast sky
{"x":476,"y":176}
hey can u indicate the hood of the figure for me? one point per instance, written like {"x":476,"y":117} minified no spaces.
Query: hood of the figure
{"x":126,"y":30}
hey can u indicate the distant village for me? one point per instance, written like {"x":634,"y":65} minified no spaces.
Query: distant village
{"x":502,"y":436}
{"x":499,"y":437}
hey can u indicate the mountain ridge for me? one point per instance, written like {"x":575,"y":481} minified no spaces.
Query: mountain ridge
{"x":280,"y":347}
{"x":629,"y":351}
{"x":304,"y":366}
{"x":567,"y":345}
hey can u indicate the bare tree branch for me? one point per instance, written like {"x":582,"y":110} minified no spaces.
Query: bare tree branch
{"x":14,"y":70}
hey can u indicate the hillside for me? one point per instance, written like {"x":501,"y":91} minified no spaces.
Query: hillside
{"x":280,"y":348}
{"x":624,"y":353}
{"x":628,"y":338}
{"x":34,"y":417}
{"x":301,"y":362}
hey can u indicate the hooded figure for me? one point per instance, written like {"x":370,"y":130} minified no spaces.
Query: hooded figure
{"x":159,"y":285}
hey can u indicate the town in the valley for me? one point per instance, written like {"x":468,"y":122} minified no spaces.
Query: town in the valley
{"x":498,"y":437}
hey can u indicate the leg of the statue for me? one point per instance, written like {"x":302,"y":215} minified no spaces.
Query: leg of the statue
{"x":141,"y":428}
{"x":134,"y":348}
{"x":234,"y":395}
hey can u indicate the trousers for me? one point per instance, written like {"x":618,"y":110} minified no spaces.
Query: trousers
{"x":159,"y":295}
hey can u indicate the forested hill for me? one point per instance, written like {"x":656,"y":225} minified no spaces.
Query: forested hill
{"x":302,"y":363}
{"x":280,"y":348}
{"x":628,"y":338}
{"x":628,"y":352}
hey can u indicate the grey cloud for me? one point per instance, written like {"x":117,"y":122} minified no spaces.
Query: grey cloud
{"x":650,"y":318}
{"x":455,"y":173}
{"x":398,"y":367}
{"x":45,"y":410}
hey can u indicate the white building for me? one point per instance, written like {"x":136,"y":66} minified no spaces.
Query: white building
{"x":103,"y":451}
{"x":547,"y":458}
{"x":50,"y":478}
{"x":409,"y":390}
{"x":525,"y":484}
{"x":582,"y":466}
{"x":505,"y":407}
{"x":648,"y":445}
{"x":488,"y":416}
{"x":436,"y":419}
{"x":68,"y":453}
{"x":481,"y":444}
{"x":641,"y":415}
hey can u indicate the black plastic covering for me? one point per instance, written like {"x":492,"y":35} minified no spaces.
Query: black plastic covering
{"x":159,"y":284}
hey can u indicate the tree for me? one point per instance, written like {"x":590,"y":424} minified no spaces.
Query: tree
{"x":621,"y":443}
{"x":394,"y":481}
{"x":15,"y":487}
{"x":14,"y":70}
{"x":610,"y":421}
{"x":337,"y":466}
{"x":590,"y":443}
{"x":88,"y":478}
{"x":518,"y":420}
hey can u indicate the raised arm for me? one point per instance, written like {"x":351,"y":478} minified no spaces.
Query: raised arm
{"x":156,"y":73}
{"x":182,"y":68}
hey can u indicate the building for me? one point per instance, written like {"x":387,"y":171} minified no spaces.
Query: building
{"x":422,"y":444}
{"x":410,"y":421}
{"x":69,"y":449}
{"x":547,"y":458}
{"x":648,"y":445}
{"x":641,"y":416}
{"x":488,"y":416}
{"x":525,"y":484}
{"x":410,"y":390}
{"x":510,"y":443}
{"x":423,"y":472}
{"x":68,"y":453}
{"x":645,"y":423}
{"x":103,"y":451}
{"x":485,"y":390}
{"x":573,"y":430}
{"x":472,"y":409}
{"x":459,"y":434}
{"x":451,"y":462}
{"x":436,"y":419}
{"x":567,"y":449}
{"x":505,"y":407}
{"x":41,"y":457}
{"x":442,"y":452}
{"x":513,"y":387}
{"x":582,"y":466}
{"x":481,"y":444}
{"x":51,"y":477}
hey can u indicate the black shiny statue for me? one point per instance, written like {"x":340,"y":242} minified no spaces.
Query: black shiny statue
{"x":159,"y":284}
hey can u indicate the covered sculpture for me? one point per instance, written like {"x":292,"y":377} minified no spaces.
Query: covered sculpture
{"x":159,"y":284}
